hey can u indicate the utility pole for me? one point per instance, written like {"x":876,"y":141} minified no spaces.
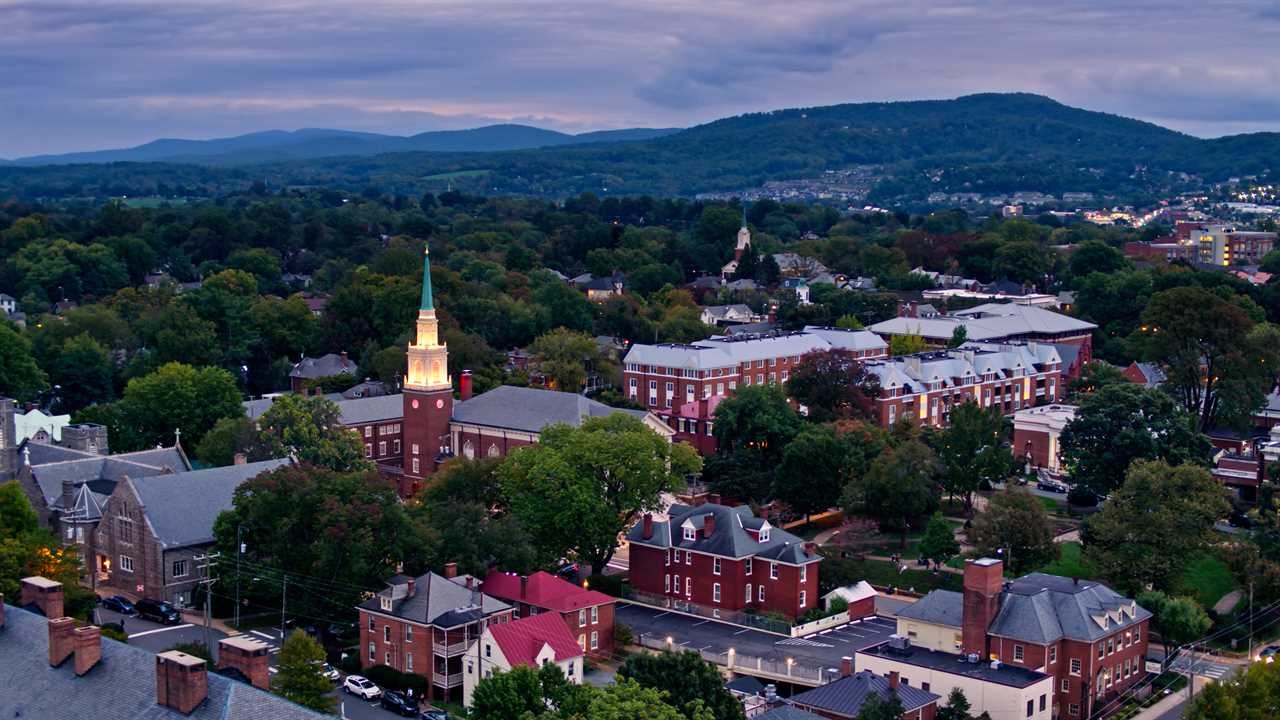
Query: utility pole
{"x":205,"y":565}
{"x":1250,"y":619}
{"x":239,"y":552}
{"x":284,"y":598}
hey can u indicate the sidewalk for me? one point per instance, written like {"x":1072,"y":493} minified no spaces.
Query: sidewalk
{"x":1170,"y":702}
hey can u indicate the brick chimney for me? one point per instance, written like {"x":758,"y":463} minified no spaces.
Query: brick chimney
{"x":451,"y":570}
{"x":524,"y":586}
{"x":893,"y":680}
{"x":182,"y":681}
{"x":846,"y":666}
{"x":983,"y":581}
{"x":709,"y":525}
{"x":88,"y":646}
{"x":241,"y":459}
{"x":713,"y":498}
{"x":248,"y":656}
{"x":413,"y":588}
{"x":44,"y":593}
{"x":646,"y":526}
{"x":61,"y":642}
{"x":464,"y":386}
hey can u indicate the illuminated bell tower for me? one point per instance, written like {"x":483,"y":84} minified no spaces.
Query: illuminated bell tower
{"x":428,"y":393}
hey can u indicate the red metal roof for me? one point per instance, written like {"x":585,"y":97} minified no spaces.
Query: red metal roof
{"x":522,"y":640}
{"x":543,"y":590}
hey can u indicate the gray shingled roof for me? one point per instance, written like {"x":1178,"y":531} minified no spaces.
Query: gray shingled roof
{"x":939,"y":607}
{"x":437,"y":600}
{"x":787,"y":712}
{"x":530,"y":409}
{"x":729,"y":538}
{"x":92,"y":468}
{"x":844,"y":697}
{"x":323,"y":366}
{"x":1041,"y":608}
{"x":181,"y":507}
{"x":991,"y":321}
{"x":351,"y":411}
{"x":121,"y":687}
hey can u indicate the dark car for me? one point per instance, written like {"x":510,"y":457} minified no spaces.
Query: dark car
{"x":434,"y":715}
{"x":158,"y":611}
{"x":1049,"y":485}
{"x":118,"y":603}
{"x":398,"y":704}
{"x":568,"y":571}
{"x":1240,"y":520}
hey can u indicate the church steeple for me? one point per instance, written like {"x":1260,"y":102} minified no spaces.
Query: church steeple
{"x":426,"y":280}
{"x":428,"y":395}
{"x":428,"y":357}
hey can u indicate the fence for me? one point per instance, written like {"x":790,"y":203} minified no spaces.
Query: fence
{"x":782,"y":668}
{"x":826,"y":623}
{"x":733,"y":617}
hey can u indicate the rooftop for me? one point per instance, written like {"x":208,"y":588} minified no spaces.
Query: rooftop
{"x":734,"y":534}
{"x":531,"y":410}
{"x":436,"y":600}
{"x":845,"y":697}
{"x":522,"y":640}
{"x":954,"y":664}
{"x":543,"y":590}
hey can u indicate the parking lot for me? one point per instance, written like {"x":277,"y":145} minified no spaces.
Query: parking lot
{"x":693,"y":633}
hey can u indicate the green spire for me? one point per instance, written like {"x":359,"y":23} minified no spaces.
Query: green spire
{"x":426,"y":280}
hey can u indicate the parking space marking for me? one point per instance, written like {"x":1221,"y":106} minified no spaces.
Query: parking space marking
{"x":159,"y":630}
{"x":704,"y":622}
{"x":262,"y":635}
{"x":744,"y":630}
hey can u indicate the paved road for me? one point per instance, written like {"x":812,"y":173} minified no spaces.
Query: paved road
{"x":156,"y":637}
{"x":823,"y":650}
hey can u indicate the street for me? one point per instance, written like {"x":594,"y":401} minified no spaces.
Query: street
{"x":156,"y":637}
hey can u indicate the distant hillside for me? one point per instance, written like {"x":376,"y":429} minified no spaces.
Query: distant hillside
{"x":979,"y":143}
{"x":280,"y":145}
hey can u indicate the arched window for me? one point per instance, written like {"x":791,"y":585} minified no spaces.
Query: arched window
{"x":493,"y":450}
{"x":469,"y":450}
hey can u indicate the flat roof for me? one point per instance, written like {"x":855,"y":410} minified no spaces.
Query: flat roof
{"x":954,"y":664}
{"x":244,"y":642}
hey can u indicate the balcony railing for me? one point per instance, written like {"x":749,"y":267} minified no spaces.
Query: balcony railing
{"x":447,"y":681}
{"x":449,"y":650}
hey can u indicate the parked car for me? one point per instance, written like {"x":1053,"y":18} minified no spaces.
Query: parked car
{"x":362,"y":687}
{"x":433,"y":714}
{"x":118,"y":603}
{"x":1050,"y":485}
{"x":569,"y":571}
{"x":329,"y":672}
{"x":158,"y":611}
{"x":1239,"y":519}
{"x":1269,"y":654}
{"x":399,"y":704}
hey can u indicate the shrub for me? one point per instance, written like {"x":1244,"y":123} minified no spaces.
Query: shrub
{"x":607,"y":584}
{"x":622,"y":635}
{"x":350,"y":663}
{"x":115,"y":632}
{"x":1081,"y":497}
{"x":392,"y":679}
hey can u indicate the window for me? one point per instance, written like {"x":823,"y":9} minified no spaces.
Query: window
{"x":748,"y":593}
{"x":1053,"y":654}
{"x":689,"y":533}
{"x":803,"y":593}
{"x":368,"y":431}
{"x":760,"y":363}
{"x":893,"y":414}
{"x":382,"y":448}
{"x":408,"y":662}
{"x":773,"y":571}
{"x":688,"y":585}
{"x":386,"y":633}
{"x":179,"y":568}
{"x":764,"y":534}
{"x":1065,"y":686}
{"x":488,"y":650}
{"x":595,"y":614}
{"x":373,"y":653}
{"x":395,"y":447}
{"x":387,"y":658}
{"x":715,"y":592}
{"x":582,"y":617}
{"x":582,"y":642}
{"x":71,"y":532}
{"x":414,"y":447}
{"x":924,"y":686}
{"x":595,"y":640}
{"x":126,"y":563}
{"x":666,"y":583}
{"x":715,"y":566}
{"x":408,"y":633}
{"x":759,"y":378}
{"x":1102,"y":650}
{"x":1111,"y":646}
{"x":746,"y":568}
{"x":1031,"y":708}
{"x":688,"y":557}
{"x":804,"y":574}
{"x":677,"y":584}
{"x":760,"y":593}
{"x":1017,"y":653}
{"x":1075,"y":666}
{"x":415,"y":465}
{"x":371,"y":623}
{"x":368,"y":449}
{"x":124,"y":526}
{"x":1137,"y":632}
{"x":1073,"y":709}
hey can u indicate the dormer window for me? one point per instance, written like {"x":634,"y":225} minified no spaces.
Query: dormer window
{"x":764,"y":533}
{"x":690,"y":533}
{"x":385,"y":603}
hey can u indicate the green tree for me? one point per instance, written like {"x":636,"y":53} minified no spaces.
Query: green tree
{"x":578,"y":488}
{"x":834,"y":384}
{"x":523,"y":693}
{"x":20,"y":377}
{"x":1093,"y":377}
{"x":907,"y":344}
{"x":939,"y":542}
{"x":1251,"y":694}
{"x":957,"y":707}
{"x":900,"y":487}
{"x":959,"y":336}
{"x":568,"y":358}
{"x":300,"y":677}
{"x":1023,"y":262}
{"x":84,"y":373}
{"x":1179,"y":620}
{"x":310,"y":428}
{"x":849,"y":322}
{"x":814,"y":469}
{"x":27,"y":549}
{"x":227,"y":437}
{"x":686,"y":678}
{"x":1095,"y":256}
{"x":881,"y":707}
{"x":628,"y":700}
{"x":752,"y":428}
{"x":1122,"y":423}
{"x":1154,"y":525}
{"x":179,"y":397}
{"x":972,"y":450}
{"x":1015,"y":526}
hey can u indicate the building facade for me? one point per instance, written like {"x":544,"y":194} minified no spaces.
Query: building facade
{"x":587,"y":614}
{"x":531,"y":642}
{"x":1037,"y":435}
{"x":996,"y":323}
{"x":724,"y":560}
{"x":428,"y":394}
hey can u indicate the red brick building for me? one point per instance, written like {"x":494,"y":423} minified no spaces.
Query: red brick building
{"x":425,"y":625}
{"x":1088,"y":638}
{"x":843,"y":699}
{"x":1037,"y":435}
{"x":587,"y":613}
{"x":996,"y":323}
{"x":723,"y":559}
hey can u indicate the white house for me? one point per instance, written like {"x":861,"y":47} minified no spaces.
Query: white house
{"x":533,"y":642}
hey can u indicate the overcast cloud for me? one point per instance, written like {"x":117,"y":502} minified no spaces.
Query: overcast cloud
{"x":92,"y":74}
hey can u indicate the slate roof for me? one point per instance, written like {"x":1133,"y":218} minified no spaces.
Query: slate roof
{"x":437,"y":600}
{"x":182,"y":507}
{"x":990,"y":321}
{"x":730,"y":537}
{"x":543,"y":590}
{"x":121,"y":686}
{"x":788,"y":712}
{"x":720,"y":312}
{"x":1152,"y":372}
{"x":939,"y":607}
{"x":1040,"y":608}
{"x":323,"y":366}
{"x":745,"y":684}
{"x":531,"y":410}
{"x":351,"y":411}
{"x":844,"y":697}
{"x":522,"y":640}
{"x":963,"y":365}
{"x":101,"y":471}
{"x":738,"y":347}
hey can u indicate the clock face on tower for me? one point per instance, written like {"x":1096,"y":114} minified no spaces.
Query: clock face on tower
{"x":415,"y":404}
{"x":439,"y":404}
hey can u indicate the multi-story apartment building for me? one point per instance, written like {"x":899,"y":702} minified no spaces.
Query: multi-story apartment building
{"x":679,"y":383}
{"x":1090,"y":640}
{"x":996,"y":322}
{"x":588,"y":614}
{"x":723,"y":559}
{"x":926,"y":386}
{"x":1228,"y":245}
{"x":425,"y":625}
{"x":530,"y":642}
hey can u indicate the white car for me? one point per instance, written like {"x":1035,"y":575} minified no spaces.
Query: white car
{"x":330,"y":672}
{"x":362,"y":687}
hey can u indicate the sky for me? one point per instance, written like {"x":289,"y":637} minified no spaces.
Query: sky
{"x":95,"y":74}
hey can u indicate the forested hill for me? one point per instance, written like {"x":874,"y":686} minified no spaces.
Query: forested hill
{"x":978,"y":143}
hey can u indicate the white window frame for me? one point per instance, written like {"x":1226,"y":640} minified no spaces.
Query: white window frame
{"x":126,"y":563}
{"x":595,"y":640}
{"x":180,"y":564}
{"x":595,"y":614}
{"x":773,"y":571}
{"x":715,"y":592}
{"x":715,"y":566}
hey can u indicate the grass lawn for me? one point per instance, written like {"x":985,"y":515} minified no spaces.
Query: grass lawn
{"x":457,"y":174}
{"x":1069,"y":563}
{"x":1209,"y":578}
{"x":845,"y":571}
{"x":1053,"y":506}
